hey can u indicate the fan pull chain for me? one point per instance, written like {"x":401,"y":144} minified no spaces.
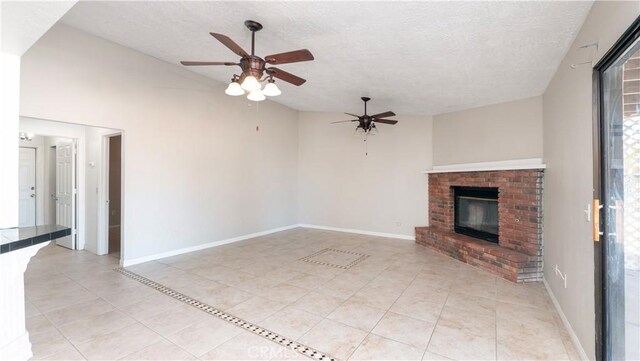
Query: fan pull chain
{"x":257,"y":116}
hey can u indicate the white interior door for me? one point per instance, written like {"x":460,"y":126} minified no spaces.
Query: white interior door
{"x":27,"y":217}
{"x":66,"y":191}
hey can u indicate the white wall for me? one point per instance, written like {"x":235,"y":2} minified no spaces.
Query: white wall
{"x":21,"y":24}
{"x":340,"y":186}
{"x":195,"y":169}
{"x":505,"y":131}
{"x":568,"y":154}
{"x":9,"y":110}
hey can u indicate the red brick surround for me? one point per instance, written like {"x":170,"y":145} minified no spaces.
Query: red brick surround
{"x":518,"y":256}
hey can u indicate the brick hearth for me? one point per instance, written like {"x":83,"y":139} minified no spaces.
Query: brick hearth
{"x":518,"y":255}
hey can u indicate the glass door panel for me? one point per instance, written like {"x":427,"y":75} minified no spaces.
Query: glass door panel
{"x":620,"y":140}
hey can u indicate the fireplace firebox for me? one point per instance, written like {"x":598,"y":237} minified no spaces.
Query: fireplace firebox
{"x":476,"y":212}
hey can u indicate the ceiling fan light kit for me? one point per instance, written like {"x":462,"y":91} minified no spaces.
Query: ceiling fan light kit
{"x":254,"y":68}
{"x":271,"y":89}
{"x":250,"y":84}
{"x":234,"y":88}
{"x":256,"y":95}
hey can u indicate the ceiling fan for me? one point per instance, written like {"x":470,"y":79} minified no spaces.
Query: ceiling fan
{"x":253,"y":67}
{"x":367,"y":123}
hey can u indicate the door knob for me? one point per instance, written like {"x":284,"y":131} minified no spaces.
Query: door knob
{"x":33,"y":195}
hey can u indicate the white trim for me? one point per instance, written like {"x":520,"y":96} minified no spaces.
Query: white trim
{"x":565,"y":321}
{"x":153,"y":257}
{"x":357,"y":231}
{"x":532,"y":163}
{"x":102,"y":247}
{"x":102,"y":241}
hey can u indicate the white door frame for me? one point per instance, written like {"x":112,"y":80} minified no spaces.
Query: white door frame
{"x":103,"y":197}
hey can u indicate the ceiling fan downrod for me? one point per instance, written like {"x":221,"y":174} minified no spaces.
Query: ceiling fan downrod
{"x":253,"y":26}
{"x":365,"y":100}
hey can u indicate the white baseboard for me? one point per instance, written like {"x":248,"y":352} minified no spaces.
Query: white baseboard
{"x":153,"y":257}
{"x":368,"y":233}
{"x":565,"y":321}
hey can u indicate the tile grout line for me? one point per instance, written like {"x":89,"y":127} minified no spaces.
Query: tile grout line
{"x":255,"y":329}
{"x":515,"y":299}
{"x":115,"y":307}
{"x":342,"y":303}
{"x":58,"y":327}
{"x":309,"y":291}
{"x":394,"y":302}
{"x":140,"y":321}
{"x":59,"y":331}
{"x":326,"y":250}
{"x":389,"y":310}
{"x":435,"y":325}
{"x":172,"y":266}
{"x":495,"y":315}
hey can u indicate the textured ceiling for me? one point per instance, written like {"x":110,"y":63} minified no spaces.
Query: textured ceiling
{"x":410,"y":57}
{"x":24,"y":22}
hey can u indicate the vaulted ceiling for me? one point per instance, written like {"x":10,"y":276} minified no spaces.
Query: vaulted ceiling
{"x":412,"y":57}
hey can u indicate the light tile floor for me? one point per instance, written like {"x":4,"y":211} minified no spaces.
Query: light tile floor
{"x":403,"y":302}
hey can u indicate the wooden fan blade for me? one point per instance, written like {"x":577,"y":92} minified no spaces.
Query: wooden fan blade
{"x":385,"y":121}
{"x":226,"y":41}
{"x":353,"y":115}
{"x":384,"y":115}
{"x":345,"y":121}
{"x":197,"y":63}
{"x":289,"y":57}
{"x":283,"y":75}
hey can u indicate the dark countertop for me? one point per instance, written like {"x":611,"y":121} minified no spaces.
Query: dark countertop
{"x":12,"y":239}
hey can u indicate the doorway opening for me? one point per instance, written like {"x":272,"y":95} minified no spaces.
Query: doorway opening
{"x":114,"y":191}
{"x":71,"y":182}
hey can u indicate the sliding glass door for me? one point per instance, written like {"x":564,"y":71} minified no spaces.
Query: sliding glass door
{"x":618,"y":80}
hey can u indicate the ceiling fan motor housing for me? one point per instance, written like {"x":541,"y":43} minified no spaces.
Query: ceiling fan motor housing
{"x":252,"y":66}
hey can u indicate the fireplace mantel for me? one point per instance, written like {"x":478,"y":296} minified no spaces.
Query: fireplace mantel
{"x":532,"y":163}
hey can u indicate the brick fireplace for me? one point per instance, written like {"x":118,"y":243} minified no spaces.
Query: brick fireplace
{"x":517,"y":254}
